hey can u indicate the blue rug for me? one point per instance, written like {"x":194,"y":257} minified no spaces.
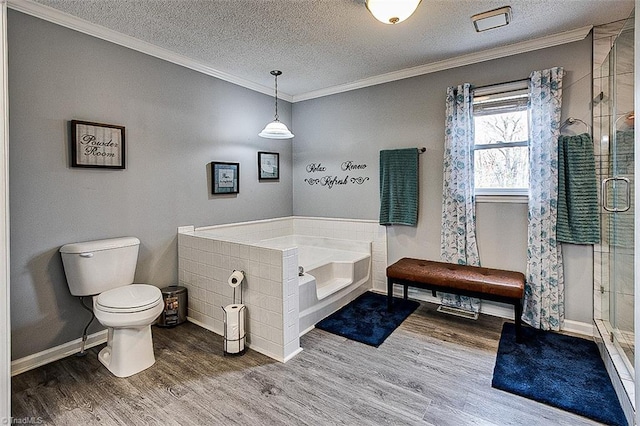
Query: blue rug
{"x":367,"y":320}
{"x":563,"y":371}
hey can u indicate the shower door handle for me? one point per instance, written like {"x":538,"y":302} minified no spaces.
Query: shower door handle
{"x":604,"y":193}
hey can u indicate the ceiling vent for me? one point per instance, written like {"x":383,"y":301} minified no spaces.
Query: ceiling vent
{"x":492,"y":19}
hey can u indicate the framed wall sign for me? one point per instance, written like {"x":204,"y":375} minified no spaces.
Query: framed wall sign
{"x":268,"y":165}
{"x":97,"y":145}
{"x":225,"y":178}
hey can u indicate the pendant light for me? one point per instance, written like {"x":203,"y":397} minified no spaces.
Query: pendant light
{"x":392,"y":11}
{"x":276,"y":129}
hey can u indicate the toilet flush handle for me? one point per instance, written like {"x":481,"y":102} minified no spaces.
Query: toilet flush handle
{"x":86,"y":254}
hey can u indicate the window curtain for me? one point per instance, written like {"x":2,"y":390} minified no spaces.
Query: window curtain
{"x":544,"y":290}
{"x":458,"y":238}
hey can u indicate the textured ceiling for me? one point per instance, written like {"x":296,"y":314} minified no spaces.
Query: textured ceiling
{"x":320,"y":44}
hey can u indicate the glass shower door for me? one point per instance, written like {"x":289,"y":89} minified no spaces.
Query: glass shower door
{"x":617,"y":194}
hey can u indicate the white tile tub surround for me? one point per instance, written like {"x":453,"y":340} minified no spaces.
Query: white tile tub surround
{"x":204,"y":265}
{"x":208,"y":255}
{"x":250,"y":231}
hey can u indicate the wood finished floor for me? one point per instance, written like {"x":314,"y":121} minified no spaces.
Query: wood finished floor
{"x":435,"y":369}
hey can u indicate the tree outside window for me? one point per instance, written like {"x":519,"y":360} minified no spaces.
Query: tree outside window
{"x":501,"y":154}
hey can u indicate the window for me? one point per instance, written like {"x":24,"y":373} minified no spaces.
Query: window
{"x":501,"y":152}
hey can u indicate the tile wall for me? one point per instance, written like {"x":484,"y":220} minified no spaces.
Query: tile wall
{"x":208,"y":255}
{"x":269,"y":291}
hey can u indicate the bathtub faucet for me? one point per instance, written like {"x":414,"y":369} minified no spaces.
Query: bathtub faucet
{"x":300,"y":271}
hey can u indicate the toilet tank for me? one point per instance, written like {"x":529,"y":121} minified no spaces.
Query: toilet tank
{"x":93,"y":267}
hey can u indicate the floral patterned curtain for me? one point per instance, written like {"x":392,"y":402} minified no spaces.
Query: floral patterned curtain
{"x":544,"y":290}
{"x":458,"y":238}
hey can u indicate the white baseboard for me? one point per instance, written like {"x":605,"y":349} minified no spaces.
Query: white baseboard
{"x":499,"y":310}
{"x":53,"y":354}
{"x":577,"y":327}
{"x":489,"y":308}
{"x":255,"y":348}
{"x":303,"y":332}
{"x":203,"y":325}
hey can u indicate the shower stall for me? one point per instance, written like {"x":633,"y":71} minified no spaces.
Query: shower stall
{"x":613,"y":133}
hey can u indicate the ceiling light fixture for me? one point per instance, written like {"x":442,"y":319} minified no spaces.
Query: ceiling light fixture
{"x":392,"y":11}
{"x":276,"y":129}
{"x":492,"y":19}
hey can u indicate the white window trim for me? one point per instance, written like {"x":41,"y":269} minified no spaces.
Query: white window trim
{"x":503,"y":197}
{"x":500,"y":145}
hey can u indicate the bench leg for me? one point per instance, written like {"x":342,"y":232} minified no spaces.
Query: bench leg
{"x":389,"y":294}
{"x":518,"y":312}
{"x":406,"y":292}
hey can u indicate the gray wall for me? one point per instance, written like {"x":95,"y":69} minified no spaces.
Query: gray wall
{"x":177,"y":121}
{"x":356,"y":125}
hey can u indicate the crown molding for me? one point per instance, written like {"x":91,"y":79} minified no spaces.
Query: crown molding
{"x":63,"y":19}
{"x":459,"y":61}
{"x":72,"y":22}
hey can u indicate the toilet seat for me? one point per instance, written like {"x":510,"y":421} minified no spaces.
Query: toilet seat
{"x":129,"y":299}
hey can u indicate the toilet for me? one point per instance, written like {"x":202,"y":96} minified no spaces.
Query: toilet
{"x":105,"y":269}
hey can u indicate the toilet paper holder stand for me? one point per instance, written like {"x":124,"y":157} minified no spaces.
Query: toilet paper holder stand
{"x":240,"y":341}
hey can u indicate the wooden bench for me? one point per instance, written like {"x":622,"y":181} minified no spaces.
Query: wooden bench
{"x":474,"y":281}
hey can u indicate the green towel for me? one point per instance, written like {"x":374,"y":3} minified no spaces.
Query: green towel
{"x":578,"y":220}
{"x":399,"y":187}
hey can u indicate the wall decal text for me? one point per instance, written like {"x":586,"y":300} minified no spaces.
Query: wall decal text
{"x":315,"y":167}
{"x":332,"y":181}
{"x":350,"y":165}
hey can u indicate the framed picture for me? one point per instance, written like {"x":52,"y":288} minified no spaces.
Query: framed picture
{"x":97,"y":145}
{"x":268,"y":165}
{"x":225,"y":178}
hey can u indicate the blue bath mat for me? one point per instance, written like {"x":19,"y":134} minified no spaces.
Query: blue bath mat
{"x":563,"y":371}
{"x":367,"y":320}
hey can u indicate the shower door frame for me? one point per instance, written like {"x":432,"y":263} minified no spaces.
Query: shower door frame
{"x":621,"y":373}
{"x":616,"y":200}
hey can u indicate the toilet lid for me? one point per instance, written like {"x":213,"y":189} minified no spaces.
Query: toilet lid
{"x":130,"y":298}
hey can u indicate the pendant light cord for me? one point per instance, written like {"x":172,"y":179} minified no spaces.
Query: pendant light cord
{"x":276,"y":73}
{"x":276,"y":76}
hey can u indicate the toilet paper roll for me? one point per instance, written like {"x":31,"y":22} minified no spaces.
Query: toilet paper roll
{"x":235,"y":335}
{"x":235,"y":278}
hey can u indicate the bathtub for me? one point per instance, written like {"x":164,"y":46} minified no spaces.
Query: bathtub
{"x":341,"y":258}
{"x":334,"y":273}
